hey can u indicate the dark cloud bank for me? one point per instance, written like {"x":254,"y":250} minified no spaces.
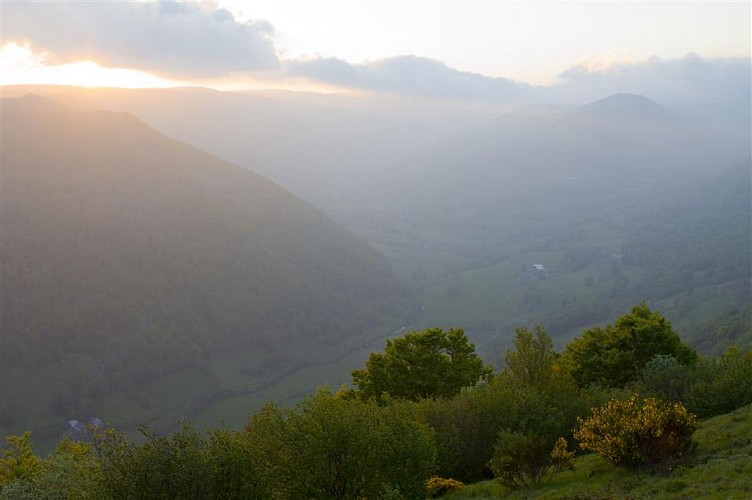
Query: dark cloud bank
{"x":167,"y":38}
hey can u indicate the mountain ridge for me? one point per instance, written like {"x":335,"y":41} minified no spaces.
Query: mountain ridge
{"x":143,"y":255}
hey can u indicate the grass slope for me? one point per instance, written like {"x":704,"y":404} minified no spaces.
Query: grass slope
{"x":723,"y":469}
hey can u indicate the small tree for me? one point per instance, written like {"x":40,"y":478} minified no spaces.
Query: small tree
{"x":71,"y":471}
{"x":18,"y":461}
{"x":532,"y":359}
{"x":634,"y":433}
{"x":523,"y":460}
{"x":428,"y":364}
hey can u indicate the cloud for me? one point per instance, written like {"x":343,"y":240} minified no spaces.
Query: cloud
{"x":671,"y":81}
{"x":410,"y":75}
{"x":166,"y":38}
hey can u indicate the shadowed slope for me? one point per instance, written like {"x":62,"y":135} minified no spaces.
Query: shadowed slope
{"x":142,"y":255}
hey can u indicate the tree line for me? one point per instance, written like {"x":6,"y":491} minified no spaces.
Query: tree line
{"x":421,"y":418}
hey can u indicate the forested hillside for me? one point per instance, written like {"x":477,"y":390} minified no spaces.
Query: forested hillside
{"x":616,"y":201}
{"x":563,"y":215}
{"x":698,"y":250}
{"x":127,"y":255}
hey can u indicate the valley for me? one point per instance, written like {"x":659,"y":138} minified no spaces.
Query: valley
{"x":463,"y":221}
{"x":415,"y":249}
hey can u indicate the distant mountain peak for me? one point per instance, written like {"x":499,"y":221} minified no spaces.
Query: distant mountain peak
{"x":32,"y":102}
{"x":626,"y":104}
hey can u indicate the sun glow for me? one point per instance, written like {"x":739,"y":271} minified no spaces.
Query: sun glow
{"x":22,"y":65}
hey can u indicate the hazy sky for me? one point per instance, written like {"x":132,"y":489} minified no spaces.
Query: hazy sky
{"x":529,"y":41}
{"x":455,"y":47}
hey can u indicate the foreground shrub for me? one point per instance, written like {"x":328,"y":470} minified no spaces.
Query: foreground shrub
{"x":184,"y":464}
{"x":330,"y":447}
{"x":439,"y":486}
{"x":70,"y":471}
{"x":665,"y":378}
{"x":522,"y":460}
{"x":711,"y":386}
{"x":18,"y":460}
{"x":721,"y":385}
{"x":632,"y":433}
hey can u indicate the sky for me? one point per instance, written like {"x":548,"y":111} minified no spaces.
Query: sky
{"x":482,"y":48}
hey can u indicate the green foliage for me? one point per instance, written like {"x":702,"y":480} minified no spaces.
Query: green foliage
{"x":427,"y":364}
{"x":71,"y":471}
{"x":711,"y":386}
{"x":532,"y":360}
{"x":721,"y":469}
{"x":329,"y":447}
{"x":522,"y":460}
{"x":721,"y":385}
{"x":614,"y":355}
{"x":185,"y":464}
{"x":439,"y":486}
{"x":634,"y":433}
{"x":532,"y":396}
{"x":702,"y":241}
{"x":18,"y":460}
{"x":468,"y":425}
{"x":665,"y":378}
{"x":233,"y":466}
{"x":162,"y":467}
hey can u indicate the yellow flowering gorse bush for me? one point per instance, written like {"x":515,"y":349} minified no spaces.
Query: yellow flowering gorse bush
{"x":439,"y":486}
{"x":636,"y":433}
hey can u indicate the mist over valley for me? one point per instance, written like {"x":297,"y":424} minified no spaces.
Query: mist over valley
{"x":242,"y":247}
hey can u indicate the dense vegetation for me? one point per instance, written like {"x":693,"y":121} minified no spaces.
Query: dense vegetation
{"x":419,"y":365}
{"x":615,"y":354}
{"x":721,"y":469}
{"x":521,"y":426}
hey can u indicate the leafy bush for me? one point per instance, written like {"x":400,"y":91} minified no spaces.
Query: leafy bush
{"x":709,"y":387}
{"x":721,"y":385}
{"x":185,"y":464}
{"x":330,"y":447}
{"x":18,"y":460}
{"x":665,"y":378}
{"x":439,"y":486}
{"x":70,"y":471}
{"x":632,"y":433}
{"x":522,"y":460}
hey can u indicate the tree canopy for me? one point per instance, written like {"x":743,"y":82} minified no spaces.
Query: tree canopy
{"x":615,"y":354}
{"x":532,"y":359}
{"x":432,"y":363}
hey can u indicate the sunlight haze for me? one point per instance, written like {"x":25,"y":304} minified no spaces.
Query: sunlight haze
{"x":375,"y":249}
{"x":531,"y":42}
